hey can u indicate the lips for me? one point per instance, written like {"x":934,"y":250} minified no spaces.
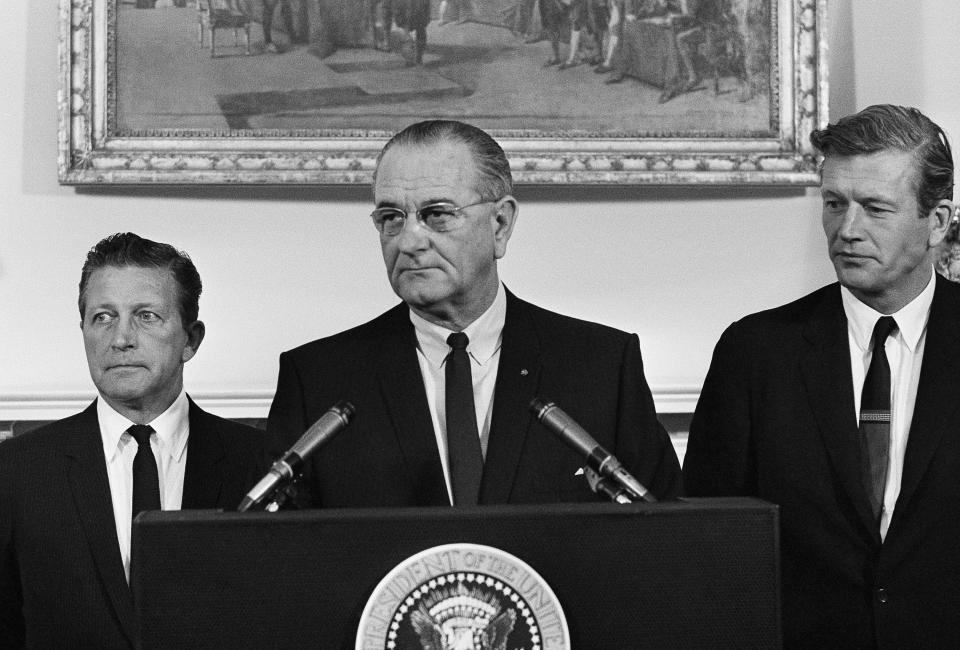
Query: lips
{"x":853,"y":257}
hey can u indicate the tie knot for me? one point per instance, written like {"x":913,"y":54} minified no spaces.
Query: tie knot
{"x":884,"y":328}
{"x":141,"y":433}
{"x":458,"y":341}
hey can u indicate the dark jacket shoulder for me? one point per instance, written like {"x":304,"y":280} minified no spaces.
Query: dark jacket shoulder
{"x":243,"y":445}
{"x":236,"y":432}
{"x":61,"y":434}
{"x":361,"y":337}
{"x":796,"y":312}
{"x":565,"y":330}
{"x":50,"y":437}
{"x":789,"y":321}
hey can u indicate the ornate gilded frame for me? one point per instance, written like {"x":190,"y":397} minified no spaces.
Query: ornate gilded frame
{"x":92,"y":152}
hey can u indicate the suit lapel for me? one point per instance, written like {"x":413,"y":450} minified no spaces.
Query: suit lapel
{"x":87,"y":476}
{"x":401,"y":386}
{"x":937,"y":391}
{"x":203,"y":475}
{"x":826,"y":373}
{"x":517,"y":379}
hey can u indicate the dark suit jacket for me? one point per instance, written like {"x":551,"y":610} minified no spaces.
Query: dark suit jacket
{"x":388,"y":456}
{"x":776,"y":420}
{"x":61,"y":576}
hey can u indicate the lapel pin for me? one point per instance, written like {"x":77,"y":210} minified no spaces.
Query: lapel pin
{"x":524,"y":372}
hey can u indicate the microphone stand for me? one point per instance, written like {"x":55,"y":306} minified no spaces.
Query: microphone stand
{"x":271,"y":501}
{"x":285,"y":471}
{"x":606,"y":487}
{"x":283,"y":494}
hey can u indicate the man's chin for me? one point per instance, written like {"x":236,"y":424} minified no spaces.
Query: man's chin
{"x":419,"y":294}
{"x":854,"y":277}
{"x":124,"y":395}
{"x":122,"y":391}
{"x":860,"y":285}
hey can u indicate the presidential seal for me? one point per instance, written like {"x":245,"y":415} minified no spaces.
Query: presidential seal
{"x":463,"y":597}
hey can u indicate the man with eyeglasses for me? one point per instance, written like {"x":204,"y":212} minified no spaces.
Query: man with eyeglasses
{"x":442,"y":382}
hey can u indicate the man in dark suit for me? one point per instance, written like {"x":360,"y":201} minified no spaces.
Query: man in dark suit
{"x":445,"y":214}
{"x":69,"y":490}
{"x":842,"y":407}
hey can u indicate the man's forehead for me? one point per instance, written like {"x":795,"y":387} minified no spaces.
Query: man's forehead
{"x":887,"y":168}
{"x":158,"y":274}
{"x":130,"y":281}
{"x":429,"y":170}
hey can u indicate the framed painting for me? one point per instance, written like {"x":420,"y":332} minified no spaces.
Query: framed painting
{"x":307,"y":91}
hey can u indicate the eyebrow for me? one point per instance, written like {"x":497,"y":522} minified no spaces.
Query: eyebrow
{"x":432,"y":201}
{"x":137,"y":306}
{"x":870,"y":198}
{"x":826,"y":192}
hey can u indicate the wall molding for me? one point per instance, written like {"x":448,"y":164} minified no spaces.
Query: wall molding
{"x":55,"y":405}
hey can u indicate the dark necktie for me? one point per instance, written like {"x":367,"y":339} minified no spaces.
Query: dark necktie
{"x":875,"y":417}
{"x":463,"y":439}
{"x":146,"y":479}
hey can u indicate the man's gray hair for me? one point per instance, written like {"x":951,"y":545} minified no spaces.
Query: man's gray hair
{"x":493,"y":168}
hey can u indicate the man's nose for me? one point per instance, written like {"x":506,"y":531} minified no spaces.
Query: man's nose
{"x":124,"y":334}
{"x":850,"y":223}
{"x":414,"y":236}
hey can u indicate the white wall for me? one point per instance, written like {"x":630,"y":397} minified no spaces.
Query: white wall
{"x":282,"y":266}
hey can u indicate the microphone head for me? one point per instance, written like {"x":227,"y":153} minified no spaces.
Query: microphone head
{"x":557,"y":421}
{"x":540,"y":407}
{"x":345,"y":409}
{"x":332,"y":422}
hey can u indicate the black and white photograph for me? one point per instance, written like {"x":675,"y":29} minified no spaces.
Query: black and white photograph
{"x":480,"y":324}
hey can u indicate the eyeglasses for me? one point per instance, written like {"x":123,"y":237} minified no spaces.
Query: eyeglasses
{"x":441,"y":216}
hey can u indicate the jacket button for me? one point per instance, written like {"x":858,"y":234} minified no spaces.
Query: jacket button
{"x":882,"y":595}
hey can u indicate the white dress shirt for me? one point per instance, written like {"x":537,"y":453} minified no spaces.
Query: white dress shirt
{"x":486,"y":337}
{"x":904,"y":351}
{"x":169,"y":446}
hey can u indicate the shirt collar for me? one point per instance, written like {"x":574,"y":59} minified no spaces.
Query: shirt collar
{"x":171,"y":426}
{"x":485,"y":333}
{"x":911,"y":319}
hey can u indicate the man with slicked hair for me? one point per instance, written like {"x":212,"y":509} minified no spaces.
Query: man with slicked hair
{"x":70,"y":490}
{"x":442,"y":382}
{"x":842,"y":407}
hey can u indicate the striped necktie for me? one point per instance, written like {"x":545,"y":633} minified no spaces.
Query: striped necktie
{"x":875,"y":418}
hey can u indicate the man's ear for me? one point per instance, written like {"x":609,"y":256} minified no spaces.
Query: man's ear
{"x":195,"y":334}
{"x":504,"y":220}
{"x":940,"y":217}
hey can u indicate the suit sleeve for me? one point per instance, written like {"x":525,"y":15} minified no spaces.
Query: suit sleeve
{"x":720,"y":459}
{"x":11,"y":599}
{"x":642,"y":442}
{"x":286,"y":421}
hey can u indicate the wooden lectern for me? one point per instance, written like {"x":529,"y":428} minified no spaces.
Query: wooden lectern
{"x":693,"y":573}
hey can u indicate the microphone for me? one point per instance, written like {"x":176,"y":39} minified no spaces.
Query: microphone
{"x":599,"y":459}
{"x":330,"y":423}
{"x":606,"y":487}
